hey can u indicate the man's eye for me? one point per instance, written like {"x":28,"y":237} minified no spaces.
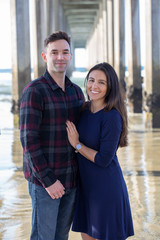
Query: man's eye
{"x":66,"y":53}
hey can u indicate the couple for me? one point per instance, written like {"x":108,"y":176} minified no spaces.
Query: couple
{"x":57,"y":128}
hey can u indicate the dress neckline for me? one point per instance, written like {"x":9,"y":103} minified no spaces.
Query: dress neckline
{"x":94,"y":113}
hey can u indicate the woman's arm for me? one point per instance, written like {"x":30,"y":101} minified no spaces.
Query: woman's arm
{"x":73,"y":137}
{"x":109,"y":140}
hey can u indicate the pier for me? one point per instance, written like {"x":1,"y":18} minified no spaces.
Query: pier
{"x":110,"y":31}
{"x":101,"y":27}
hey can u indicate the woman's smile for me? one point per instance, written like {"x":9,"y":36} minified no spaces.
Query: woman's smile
{"x":97,"y":85}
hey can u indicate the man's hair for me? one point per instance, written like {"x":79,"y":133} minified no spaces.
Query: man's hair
{"x":57,"y":36}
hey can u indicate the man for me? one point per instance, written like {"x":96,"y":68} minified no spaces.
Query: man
{"x":49,"y":162}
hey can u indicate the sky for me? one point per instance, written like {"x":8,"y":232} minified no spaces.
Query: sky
{"x":5,"y":38}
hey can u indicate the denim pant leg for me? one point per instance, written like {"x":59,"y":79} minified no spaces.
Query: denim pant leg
{"x":65,"y":215}
{"x":44,"y":213}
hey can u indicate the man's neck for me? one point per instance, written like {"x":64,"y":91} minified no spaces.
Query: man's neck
{"x":59,"y":78}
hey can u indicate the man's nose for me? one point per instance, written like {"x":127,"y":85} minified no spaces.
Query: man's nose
{"x":60,"y":56}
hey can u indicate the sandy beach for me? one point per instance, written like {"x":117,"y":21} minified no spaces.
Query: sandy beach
{"x":139,"y":161}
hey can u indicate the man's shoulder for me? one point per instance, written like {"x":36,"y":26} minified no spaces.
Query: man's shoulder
{"x":36,"y":83}
{"x":75,"y":85}
{"x":78,"y":88}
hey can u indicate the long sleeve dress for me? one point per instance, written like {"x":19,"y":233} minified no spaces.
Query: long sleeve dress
{"x":102,"y":207}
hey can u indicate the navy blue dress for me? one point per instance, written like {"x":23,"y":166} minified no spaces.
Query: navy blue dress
{"x":102,"y":207}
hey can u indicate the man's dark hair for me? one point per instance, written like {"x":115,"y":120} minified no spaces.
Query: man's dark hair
{"x":57,"y":36}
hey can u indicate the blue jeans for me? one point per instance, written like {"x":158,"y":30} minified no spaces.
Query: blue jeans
{"x":51,"y":218}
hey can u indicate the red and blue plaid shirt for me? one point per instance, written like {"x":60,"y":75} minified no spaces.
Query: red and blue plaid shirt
{"x":44,"y":109}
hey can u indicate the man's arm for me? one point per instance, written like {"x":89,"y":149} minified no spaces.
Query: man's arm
{"x":31,"y":110}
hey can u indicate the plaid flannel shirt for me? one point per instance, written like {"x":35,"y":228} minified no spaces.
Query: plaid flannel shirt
{"x":44,"y":109}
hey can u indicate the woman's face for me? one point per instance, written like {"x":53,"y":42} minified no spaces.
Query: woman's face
{"x":97,"y":86}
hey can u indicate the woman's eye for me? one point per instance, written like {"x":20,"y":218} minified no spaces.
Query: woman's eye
{"x":103,"y":82}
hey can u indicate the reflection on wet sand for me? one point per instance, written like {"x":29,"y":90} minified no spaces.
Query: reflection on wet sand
{"x":140,"y":164}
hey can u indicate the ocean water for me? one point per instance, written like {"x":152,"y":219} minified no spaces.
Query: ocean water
{"x":6,"y":126}
{"x":6,"y":117}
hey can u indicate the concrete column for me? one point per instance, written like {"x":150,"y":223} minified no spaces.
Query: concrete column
{"x":92,"y":51}
{"x":47,"y":9}
{"x":21,"y":70}
{"x":100,"y":44}
{"x":110,"y":38}
{"x":101,"y":25}
{"x":52,"y":16}
{"x":98,"y":38}
{"x":39,"y":33}
{"x":55,"y":16}
{"x":152,"y":64}
{"x":56,"y":20}
{"x":62,"y":19}
{"x":105,"y":28}
{"x":119,"y":38}
{"x":134,"y":88}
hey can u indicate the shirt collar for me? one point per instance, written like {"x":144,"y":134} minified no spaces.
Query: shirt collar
{"x":53,"y":84}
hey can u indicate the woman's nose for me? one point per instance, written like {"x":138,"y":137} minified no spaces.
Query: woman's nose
{"x":94,"y":85}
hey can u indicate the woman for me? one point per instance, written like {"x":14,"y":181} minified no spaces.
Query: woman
{"x":102,"y":209}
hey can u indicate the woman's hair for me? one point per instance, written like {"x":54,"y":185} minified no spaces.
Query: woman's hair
{"x":114,"y":97}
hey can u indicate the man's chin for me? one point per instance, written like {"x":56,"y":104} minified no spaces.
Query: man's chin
{"x":60,"y":70}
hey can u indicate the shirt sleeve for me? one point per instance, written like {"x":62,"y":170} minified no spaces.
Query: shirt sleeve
{"x":109,"y":138}
{"x":31,"y":109}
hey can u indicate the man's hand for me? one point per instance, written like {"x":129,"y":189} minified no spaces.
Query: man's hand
{"x":56,"y":190}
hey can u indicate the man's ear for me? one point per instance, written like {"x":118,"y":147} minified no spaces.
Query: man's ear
{"x":71,"y":56}
{"x":44,"y":57}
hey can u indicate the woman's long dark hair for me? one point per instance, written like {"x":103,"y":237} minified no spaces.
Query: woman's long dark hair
{"x":114,"y":97}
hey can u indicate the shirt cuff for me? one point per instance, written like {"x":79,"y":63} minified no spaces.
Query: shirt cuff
{"x":48,"y":180}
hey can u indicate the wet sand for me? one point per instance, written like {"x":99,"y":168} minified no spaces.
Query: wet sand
{"x":140,"y":162}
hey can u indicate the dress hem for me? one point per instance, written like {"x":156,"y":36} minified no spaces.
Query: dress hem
{"x":103,"y":238}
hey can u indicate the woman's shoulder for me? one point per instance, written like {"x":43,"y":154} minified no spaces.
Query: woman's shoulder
{"x":113,"y":115}
{"x":112,"y":120}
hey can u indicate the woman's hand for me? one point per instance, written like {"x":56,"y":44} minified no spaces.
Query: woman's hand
{"x":73,"y":135}
{"x":73,"y":138}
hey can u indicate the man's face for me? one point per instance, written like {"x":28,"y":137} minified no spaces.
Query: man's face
{"x":57,"y":56}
